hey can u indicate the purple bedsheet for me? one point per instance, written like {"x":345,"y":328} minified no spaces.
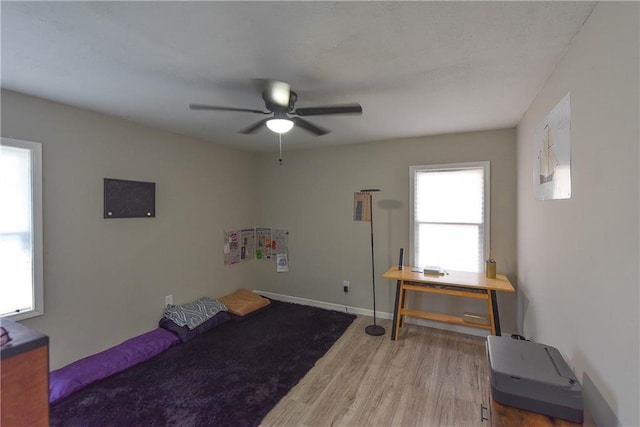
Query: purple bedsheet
{"x":83,"y":372}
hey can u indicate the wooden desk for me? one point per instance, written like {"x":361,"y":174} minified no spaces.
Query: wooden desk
{"x":456,"y":283}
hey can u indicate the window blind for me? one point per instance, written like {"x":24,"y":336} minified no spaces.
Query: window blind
{"x":449,"y":217}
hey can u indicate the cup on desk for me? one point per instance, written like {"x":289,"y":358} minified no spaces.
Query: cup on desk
{"x":490,"y":268}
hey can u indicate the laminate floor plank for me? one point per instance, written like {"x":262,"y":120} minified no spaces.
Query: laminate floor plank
{"x":429,"y":377}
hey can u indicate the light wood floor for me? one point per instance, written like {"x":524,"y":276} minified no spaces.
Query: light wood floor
{"x":428,"y":377}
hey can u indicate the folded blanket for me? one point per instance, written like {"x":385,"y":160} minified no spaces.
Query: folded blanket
{"x":185,"y":334}
{"x":193,"y":314}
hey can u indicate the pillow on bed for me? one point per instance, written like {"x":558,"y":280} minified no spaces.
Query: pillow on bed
{"x":185,"y":334}
{"x":236,"y":318}
{"x":243,"y":302}
{"x":195,"y":313}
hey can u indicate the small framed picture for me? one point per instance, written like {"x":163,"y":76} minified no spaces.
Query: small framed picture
{"x":129,"y":199}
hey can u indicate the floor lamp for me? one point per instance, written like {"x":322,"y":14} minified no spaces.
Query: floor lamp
{"x":374,"y":329}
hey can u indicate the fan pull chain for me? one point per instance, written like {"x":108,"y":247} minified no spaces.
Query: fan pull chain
{"x":280,"y":158}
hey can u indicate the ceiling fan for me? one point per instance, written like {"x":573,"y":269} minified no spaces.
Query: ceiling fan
{"x":280,"y":102}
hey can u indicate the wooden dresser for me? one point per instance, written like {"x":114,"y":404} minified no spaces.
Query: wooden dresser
{"x":508,"y":416}
{"x":24,"y":382}
{"x":498,"y":415}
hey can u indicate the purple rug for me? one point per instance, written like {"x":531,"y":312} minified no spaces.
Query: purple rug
{"x":230,"y":376}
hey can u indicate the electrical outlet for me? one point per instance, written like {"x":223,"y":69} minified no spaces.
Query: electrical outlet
{"x":168,"y":300}
{"x":345,"y":286}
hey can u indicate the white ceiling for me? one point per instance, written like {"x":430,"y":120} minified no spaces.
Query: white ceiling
{"x":417,"y":68}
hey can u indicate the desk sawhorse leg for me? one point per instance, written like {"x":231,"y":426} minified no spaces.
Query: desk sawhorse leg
{"x":401,"y":295}
{"x":494,"y":310}
{"x":394,"y":327}
{"x":398,"y":319}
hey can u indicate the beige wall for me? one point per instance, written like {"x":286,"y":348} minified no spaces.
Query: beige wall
{"x":578,"y":258}
{"x":312,"y":195}
{"x":105,"y":280}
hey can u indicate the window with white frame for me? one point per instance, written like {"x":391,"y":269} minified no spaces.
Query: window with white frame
{"x":21,"y":287}
{"x":449,"y":215}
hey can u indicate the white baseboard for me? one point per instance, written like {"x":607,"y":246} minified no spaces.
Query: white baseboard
{"x":366,"y":312}
{"x":325,"y":305}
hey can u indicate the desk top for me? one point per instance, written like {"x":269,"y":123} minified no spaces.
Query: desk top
{"x":466,"y":279}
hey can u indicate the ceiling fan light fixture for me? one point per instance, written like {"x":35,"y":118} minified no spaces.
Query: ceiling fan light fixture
{"x":280,"y":101}
{"x":280,"y":125}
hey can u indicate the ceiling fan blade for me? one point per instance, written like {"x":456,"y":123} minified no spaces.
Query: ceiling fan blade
{"x":318,"y":131}
{"x":254,"y":127}
{"x":218,"y":108}
{"x":335,"y":109}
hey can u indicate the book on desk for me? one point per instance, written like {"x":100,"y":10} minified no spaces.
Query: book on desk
{"x":431,"y":270}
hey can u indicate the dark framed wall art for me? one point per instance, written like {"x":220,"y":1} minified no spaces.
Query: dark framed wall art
{"x":129,"y":199}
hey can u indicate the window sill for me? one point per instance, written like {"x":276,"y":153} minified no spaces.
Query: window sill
{"x":23,"y":315}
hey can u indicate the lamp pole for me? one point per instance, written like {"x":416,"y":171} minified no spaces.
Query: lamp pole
{"x":374,"y":329}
